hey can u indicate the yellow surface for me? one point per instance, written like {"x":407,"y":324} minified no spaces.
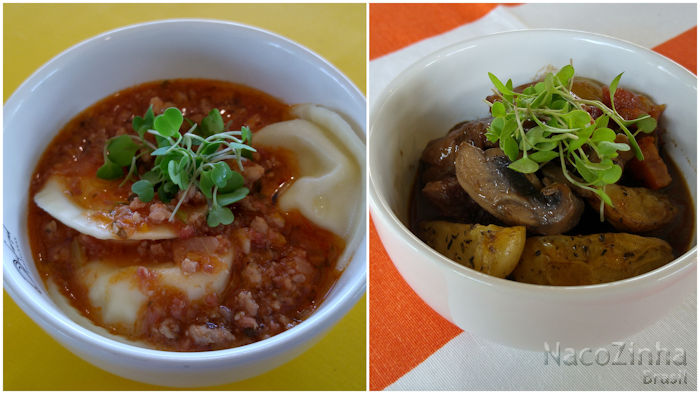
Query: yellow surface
{"x":33,"y":34}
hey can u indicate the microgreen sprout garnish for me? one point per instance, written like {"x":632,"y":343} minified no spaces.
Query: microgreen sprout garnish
{"x":196,"y":159}
{"x":562,"y":129}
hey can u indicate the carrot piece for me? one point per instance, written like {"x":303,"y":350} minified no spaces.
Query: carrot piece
{"x":652,"y":171}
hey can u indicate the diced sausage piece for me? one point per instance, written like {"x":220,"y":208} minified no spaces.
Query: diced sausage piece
{"x":136,"y":203}
{"x":157,"y":104}
{"x":253,"y":172}
{"x":259,"y":225}
{"x":169,"y":328}
{"x":189,"y":266}
{"x":276,"y":219}
{"x":210,"y":334}
{"x":158,"y":213}
{"x":252,"y":274}
{"x":247,"y":303}
{"x":246,"y":322}
{"x":299,"y":278}
{"x":243,"y":238}
{"x":186,"y":232}
{"x":303,"y":266}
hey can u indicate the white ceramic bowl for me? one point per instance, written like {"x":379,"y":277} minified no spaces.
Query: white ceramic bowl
{"x":447,"y":87}
{"x":125,"y":57}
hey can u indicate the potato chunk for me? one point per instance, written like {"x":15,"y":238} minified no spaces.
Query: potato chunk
{"x":562,"y":260}
{"x":636,"y":209}
{"x":491,"y":249}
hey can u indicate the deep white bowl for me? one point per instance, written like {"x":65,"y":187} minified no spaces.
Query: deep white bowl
{"x":121,"y":58}
{"x":449,"y":86}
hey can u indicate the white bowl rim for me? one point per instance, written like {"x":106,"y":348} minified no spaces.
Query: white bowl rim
{"x":327,"y":314}
{"x":380,"y":208}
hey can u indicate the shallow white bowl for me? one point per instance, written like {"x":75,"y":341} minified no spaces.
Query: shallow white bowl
{"x":121,"y":58}
{"x":449,"y":86}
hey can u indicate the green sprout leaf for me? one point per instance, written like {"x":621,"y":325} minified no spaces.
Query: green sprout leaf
{"x":230,"y":198}
{"x":219,"y":215}
{"x":161,"y":151}
{"x":167,"y":191}
{"x":234,"y":182}
{"x":141,"y":125}
{"x":603,"y":134}
{"x":220,"y":174}
{"x":646,"y":125}
{"x":583,"y":136}
{"x":212,"y":123}
{"x":565,"y":74}
{"x":524,"y":165}
{"x":499,"y":85}
{"x":168,"y":123}
{"x":498,"y":110}
{"x":510,"y":147}
{"x":577,"y":119}
{"x":611,"y":175}
{"x":246,"y":135}
{"x":613,"y":89}
{"x":154,"y":175}
{"x":603,"y":196}
{"x":543,"y":156}
{"x":143,"y":189}
{"x":609,"y":149}
{"x":121,"y":150}
{"x":206,"y":184}
{"x":110,"y":170}
{"x":587,"y":174}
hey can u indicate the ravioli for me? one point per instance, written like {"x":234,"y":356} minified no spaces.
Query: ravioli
{"x":119,"y":293}
{"x":56,"y":201}
{"x":329,"y":189}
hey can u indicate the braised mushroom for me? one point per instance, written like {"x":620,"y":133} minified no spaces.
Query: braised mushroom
{"x":511,"y":197}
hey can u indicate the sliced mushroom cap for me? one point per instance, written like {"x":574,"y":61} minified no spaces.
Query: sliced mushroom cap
{"x":509,"y":196}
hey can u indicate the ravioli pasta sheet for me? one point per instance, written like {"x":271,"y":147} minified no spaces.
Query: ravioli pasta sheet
{"x":329,"y":189}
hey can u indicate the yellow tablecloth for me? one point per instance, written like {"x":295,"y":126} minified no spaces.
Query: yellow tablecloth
{"x":33,"y":34}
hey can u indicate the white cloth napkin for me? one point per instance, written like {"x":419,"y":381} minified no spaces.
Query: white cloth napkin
{"x":469,"y":362}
